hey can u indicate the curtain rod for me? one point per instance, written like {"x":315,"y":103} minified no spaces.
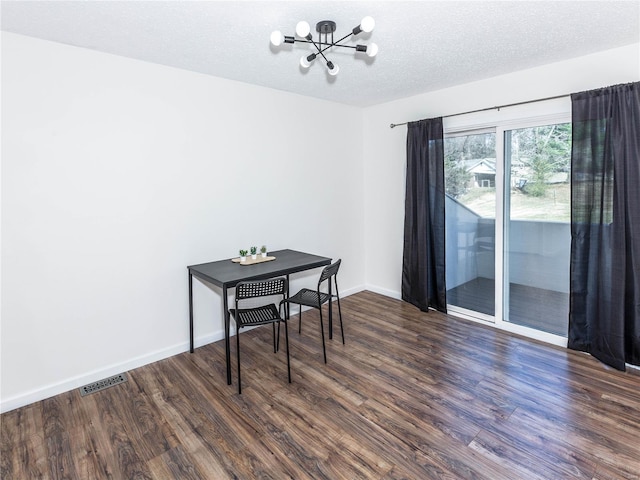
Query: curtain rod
{"x":393,"y":125}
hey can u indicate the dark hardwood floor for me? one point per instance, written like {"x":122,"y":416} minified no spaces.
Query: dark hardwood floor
{"x":545,"y":310}
{"x":410,"y":396}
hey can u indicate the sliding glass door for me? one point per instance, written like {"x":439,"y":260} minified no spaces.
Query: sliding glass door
{"x":470,"y":206}
{"x":508,"y":234}
{"x":537,"y":227}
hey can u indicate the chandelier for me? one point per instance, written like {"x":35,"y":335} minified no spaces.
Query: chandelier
{"x":326,"y":29}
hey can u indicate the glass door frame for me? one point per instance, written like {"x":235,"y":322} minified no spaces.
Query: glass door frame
{"x":454,"y":309}
{"x":502,"y":120}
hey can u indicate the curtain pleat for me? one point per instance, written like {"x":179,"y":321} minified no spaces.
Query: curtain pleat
{"x":604,"y":317}
{"x":423,"y":259}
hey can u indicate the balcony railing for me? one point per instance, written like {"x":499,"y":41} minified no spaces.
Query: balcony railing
{"x":538,"y":249}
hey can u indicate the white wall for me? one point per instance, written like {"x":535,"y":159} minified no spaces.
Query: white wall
{"x":385,"y":148}
{"x":117,"y":174}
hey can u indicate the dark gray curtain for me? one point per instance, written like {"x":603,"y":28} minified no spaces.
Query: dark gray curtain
{"x":423,"y":269}
{"x":604,"y":317}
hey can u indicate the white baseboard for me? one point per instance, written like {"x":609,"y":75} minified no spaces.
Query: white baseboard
{"x":66,"y":385}
{"x":384,"y":291}
{"x":351,"y":291}
{"x":51,"y":390}
{"x":48,"y":391}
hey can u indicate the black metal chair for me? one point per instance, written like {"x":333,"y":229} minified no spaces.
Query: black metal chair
{"x":260,"y":315}
{"x":317,"y":298}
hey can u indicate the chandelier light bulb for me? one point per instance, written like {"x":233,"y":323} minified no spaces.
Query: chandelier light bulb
{"x":372,"y":50}
{"x":277,"y":38}
{"x":304,"y":63}
{"x":333,"y":69}
{"x":303,"y":29}
{"x":367,"y":24}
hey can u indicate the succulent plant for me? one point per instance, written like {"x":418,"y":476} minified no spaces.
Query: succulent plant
{"x":243,"y":253}
{"x":254,"y":250}
{"x":263,"y":249}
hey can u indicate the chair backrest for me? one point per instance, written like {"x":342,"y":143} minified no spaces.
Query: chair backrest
{"x":329,"y":271}
{"x":261,"y":288}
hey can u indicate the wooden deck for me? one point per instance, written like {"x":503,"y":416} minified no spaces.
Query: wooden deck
{"x":411,"y":395}
{"x":545,"y":310}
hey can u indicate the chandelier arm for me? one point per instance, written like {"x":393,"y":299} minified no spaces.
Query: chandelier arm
{"x":325,"y":43}
{"x":343,"y":38}
{"x":310,"y":38}
{"x":328,"y":45}
{"x":333,"y":44}
{"x":340,"y":45}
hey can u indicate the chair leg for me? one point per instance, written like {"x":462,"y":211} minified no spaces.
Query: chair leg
{"x":324,"y":350}
{"x":275,"y":347}
{"x":340,"y":315}
{"x":286,"y":337}
{"x":300,"y":321}
{"x":238,"y":354}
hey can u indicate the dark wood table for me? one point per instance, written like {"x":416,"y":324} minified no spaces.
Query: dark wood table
{"x":226,"y":274}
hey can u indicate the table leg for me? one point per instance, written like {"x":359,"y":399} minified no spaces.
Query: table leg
{"x":190,"y":312}
{"x":225,"y":315}
{"x":286,"y":305}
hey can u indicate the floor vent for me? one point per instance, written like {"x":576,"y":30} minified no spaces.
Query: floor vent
{"x":102,"y":384}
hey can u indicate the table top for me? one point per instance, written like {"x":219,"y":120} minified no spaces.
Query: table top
{"x":226,"y":273}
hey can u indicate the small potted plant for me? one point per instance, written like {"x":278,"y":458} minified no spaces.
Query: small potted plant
{"x":263,"y":251}
{"x":243,"y":255}
{"x":254,"y":253}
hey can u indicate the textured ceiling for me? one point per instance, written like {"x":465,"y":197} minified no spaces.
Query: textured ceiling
{"x":424,"y":45}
